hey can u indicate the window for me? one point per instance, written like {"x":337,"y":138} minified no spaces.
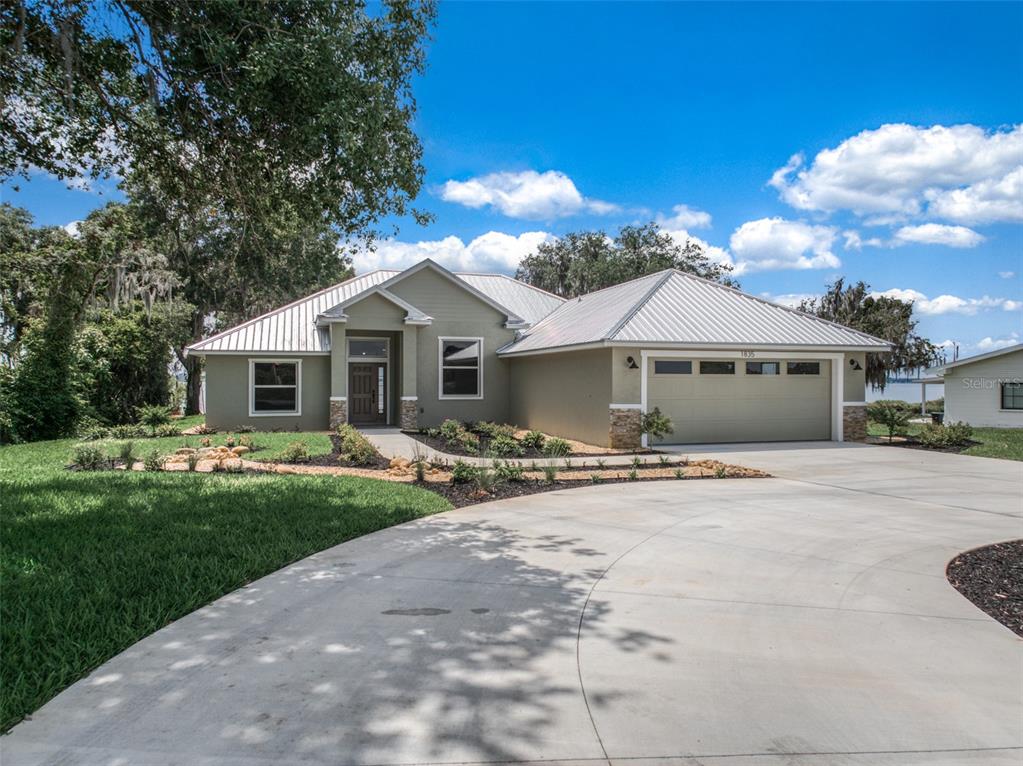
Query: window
{"x":461,"y":373}
{"x":274,"y":387}
{"x":662,"y":367}
{"x":763,"y":368}
{"x":1012,"y":396}
{"x":803,"y":368}
{"x":717,"y":368}
{"x":367,"y":348}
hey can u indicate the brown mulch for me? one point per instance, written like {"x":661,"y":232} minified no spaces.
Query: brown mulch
{"x":908,"y":442}
{"x":579,"y":449}
{"x":992,"y":578}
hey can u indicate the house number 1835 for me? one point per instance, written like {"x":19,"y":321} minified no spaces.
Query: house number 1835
{"x":748,"y":354}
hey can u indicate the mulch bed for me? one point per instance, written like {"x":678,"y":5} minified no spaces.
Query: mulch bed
{"x":528,"y":453}
{"x":992,"y":578}
{"x":334,"y":458}
{"x":908,"y":442}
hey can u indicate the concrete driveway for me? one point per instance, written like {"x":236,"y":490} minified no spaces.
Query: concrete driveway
{"x":797,"y":620}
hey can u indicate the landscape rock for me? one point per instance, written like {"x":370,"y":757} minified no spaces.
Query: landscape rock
{"x":241,"y":450}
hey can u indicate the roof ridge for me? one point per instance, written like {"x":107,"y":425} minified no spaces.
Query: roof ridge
{"x":279,"y":309}
{"x":789,"y":309}
{"x":516,"y":280}
{"x":665,"y":276}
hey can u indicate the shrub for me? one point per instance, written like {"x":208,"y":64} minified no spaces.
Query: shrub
{"x":509,"y":471}
{"x":952,"y":435}
{"x":601,"y":463}
{"x":891,"y":414}
{"x":246,"y":429}
{"x":450,"y":430}
{"x":127,"y":453}
{"x":505,"y":430}
{"x":246,"y":441}
{"x":596,"y":478}
{"x":89,"y":457}
{"x":486,"y":479}
{"x":721,"y":472}
{"x":93,"y":432}
{"x":467,"y":442}
{"x":355,"y":448}
{"x":296,"y":452}
{"x":533,"y":440}
{"x":462,"y":472}
{"x":128,"y":432}
{"x":636,"y":462}
{"x":556,"y":447}
{"x":505,"y":446}
{"x":153,"y":461}
{"x":485,"y":428}
{"x":655,"y":424}
{"x":168,"y":429}
{"x":550,"y":471}
{"x":679,"y":473}
{"x":203,"y":429}
{"x":633,"y":475}
{"x":153,"y":415}
{"x":193,"y":460}
{"x":663,"y":460}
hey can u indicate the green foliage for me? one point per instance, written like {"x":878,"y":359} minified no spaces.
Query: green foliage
{"x":166,"y":430}
{"x":89,"y":457}
{"x":947,"y":436}
{"x":887,"y":318}
{"x":467,"y":442}
{"x":130,"y":431}
{"x":485,"y":428}
{"x":533,"y":440}
{"x":486,"y":478}
{"x":295,"y":452}
{"x":556,"y":447}
{"x":550,"y":471}
{"x":462,"y":472}
{"x":126,"y":452}
{"x":636,"y":462}
{"x":655,"y":424}
{"x":633,"y":474}
{"x":581,"y":262}
{"x":153,"y":415}
{"x":663,"y":460}
{"x":450,"y":430}
{"x":192,"y":460}
{"x":356,"y":448}
{"x":892,"y":414}
{"x":720,"y":472}
{"x":505,"y":446}
{"x":153,"y":461}
{"x":601,"y":463}
{"x":508,"y":471}
{"x":679,"y":473}
{"x":596,"y":478}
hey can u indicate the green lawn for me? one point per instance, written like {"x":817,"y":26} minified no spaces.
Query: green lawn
{"x":92,"y":562}
{"x":1005,"y":443}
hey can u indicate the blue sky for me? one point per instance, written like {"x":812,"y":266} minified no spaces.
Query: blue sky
{"x":799,"y":142}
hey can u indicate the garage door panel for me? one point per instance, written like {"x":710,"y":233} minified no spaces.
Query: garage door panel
{"x":737,"y":408}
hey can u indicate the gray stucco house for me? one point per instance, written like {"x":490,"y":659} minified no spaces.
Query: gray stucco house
{"x":985,"y":390}
{"x":415,"y":347}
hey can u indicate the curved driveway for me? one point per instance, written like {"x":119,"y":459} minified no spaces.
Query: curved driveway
{"x":797,"y":620}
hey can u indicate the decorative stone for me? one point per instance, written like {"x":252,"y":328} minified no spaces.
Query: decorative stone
{"x":854,"y":423}
{"x":184,"y":451}
{"x":626,"y":428}
{"x":241,"y":449}
{"x":338,"y":413}
{"x":409,"y":415}
{"x":399,"y":462}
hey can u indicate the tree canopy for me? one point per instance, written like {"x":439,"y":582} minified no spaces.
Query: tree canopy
{"x":581,"y":262}
{"x":887,"y":318}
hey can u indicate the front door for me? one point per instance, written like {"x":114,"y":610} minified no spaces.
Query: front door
{"x":367,"y":396}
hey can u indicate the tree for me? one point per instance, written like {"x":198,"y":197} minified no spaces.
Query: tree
{"x":893,"y":415}
{"x":302,"y":106}
{"x":887,"y":318}
{"x":581,"y":262}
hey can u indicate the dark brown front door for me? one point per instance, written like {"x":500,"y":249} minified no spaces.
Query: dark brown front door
{"x":366,"y":394}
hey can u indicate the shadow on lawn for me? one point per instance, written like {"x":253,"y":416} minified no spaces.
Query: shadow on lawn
{"x":453,"y":642}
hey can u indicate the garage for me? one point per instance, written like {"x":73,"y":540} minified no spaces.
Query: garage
{"x":741,"y":400}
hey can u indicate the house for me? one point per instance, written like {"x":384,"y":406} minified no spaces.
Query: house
{"x":414,"y":347}
{"x":985,"y":390}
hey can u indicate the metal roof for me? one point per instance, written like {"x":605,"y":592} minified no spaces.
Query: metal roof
{"x":292,"y":328}
{"x":671,"y":307}
{"x":940,"y":369}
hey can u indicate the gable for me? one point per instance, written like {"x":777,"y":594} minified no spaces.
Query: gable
{"x":444,"y":300}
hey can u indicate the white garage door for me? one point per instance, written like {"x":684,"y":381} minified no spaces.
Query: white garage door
{"x":726,"y":400}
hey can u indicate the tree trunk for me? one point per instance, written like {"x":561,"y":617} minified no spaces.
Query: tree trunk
{"x":193,"y":386}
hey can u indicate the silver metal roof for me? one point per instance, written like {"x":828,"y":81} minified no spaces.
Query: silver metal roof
{"x":292,"y":328}
{"x":678,"y":308}
{"x":941,"y":369}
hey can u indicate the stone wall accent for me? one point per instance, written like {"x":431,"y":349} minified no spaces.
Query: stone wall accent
{"x":854,"y":423}
{"x":338,"y":413}
{"x":625,"y":428}
{"x":409,"y":415}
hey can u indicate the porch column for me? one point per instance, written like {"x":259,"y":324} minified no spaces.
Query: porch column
{"x":338,"y":375}
{"x":409,"y":395}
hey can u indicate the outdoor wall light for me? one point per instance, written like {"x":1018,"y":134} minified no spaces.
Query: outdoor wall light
{"x":855,"y":365}
{"x":631,"y":363}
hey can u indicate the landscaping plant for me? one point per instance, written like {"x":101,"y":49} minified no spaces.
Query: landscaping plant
{"x":295,"y":452}
{"x":556,"y":447}
{"x":89,"y":457}
{"x":355,"y":448}
{"x":655,"y":424}
{"x":550,"y":471}
{"x":127,"y":453}
{"x":948,"y":436}
{"x":505,"y":446}
{"x":533,"y":440}
{"x":893,"y":415}
{"x":153,"y":415}
{"x":153,"y":461}
{"x":462,"y":472}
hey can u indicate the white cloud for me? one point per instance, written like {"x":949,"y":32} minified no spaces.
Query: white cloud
{"x":792,"y":300}
{"x":1006,"y":274}
{"x":685,"y":217}
{"x":949,"y":304}
{"x":853,"y":240}
{"x":713,"y":252}
{"x":72,"y":228}
{"x":937,"y":234}
{"x":993,"y":344}
{"x":527,"y":194}
{"x":493,"y":251}
{"x":961,"y":173}
{"x":774,"y":243}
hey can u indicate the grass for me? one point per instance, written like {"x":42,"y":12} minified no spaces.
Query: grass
{"x":1004,"y":443}
{"x":269,"y":446}
{"x":92,"y":562}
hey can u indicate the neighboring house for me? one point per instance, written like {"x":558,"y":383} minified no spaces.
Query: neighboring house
{"x":415,"y":347}
{"x":985,"y":390}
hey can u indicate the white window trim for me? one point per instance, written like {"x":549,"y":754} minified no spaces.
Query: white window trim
{"x":440,"y":368}
{"x":348,"y":353}
{"x":252,"y":389}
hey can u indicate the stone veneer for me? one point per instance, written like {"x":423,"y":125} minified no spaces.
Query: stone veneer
{"x":409,"y":415}
{"x":854,"y":423}
{"x":338,"y":412}
{"x":626,"y":425}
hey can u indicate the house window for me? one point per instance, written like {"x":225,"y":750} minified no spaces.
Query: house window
{"x":803,"y":368}
{"x":461,"y":369}
{"x":275,"y":387}
{"x":1012,"y":396}
{"x":367,"y":348}
{"x":717,"y":368}
{"x":763,"y":368}
{"x":662,"y":367}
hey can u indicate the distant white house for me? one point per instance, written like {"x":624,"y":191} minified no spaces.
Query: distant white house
{"x":985,"y":390}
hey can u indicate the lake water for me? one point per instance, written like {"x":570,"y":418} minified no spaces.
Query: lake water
{"x":907,"y":392}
